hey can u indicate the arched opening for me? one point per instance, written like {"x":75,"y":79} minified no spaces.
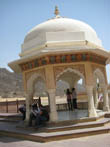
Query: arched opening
{"x":36,"y":86}
{"x":99,"y":83}
{"x":70,"y":78}
{"x":36,"y":90}
{"x":39,"y":90}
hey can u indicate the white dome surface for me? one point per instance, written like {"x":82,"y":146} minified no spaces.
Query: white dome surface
{"x":60,"y":25}
{"x":59,"y":30}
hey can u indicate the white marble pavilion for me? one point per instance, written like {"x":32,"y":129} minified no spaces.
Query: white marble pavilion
{"x":63,"y":49}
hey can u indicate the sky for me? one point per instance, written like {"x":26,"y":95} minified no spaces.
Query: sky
{"x":17,"y":17}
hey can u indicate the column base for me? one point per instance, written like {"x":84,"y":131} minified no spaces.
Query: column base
{"x":27,"y":115}
{"x":106,"y":108}
{"x":53,"y":116}
{"x":92,"y":113}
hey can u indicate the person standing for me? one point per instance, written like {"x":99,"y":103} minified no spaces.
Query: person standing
{"x":74,"y":98}
{"x":68,"y":94}
{"x":39,"y":101}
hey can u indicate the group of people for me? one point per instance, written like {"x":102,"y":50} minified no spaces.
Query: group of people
{"x":71,"y":99}
{"x":38,"y":113}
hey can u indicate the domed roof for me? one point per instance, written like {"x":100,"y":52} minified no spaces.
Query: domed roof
{"x":60,"y":24}
{"x":59,"y":29}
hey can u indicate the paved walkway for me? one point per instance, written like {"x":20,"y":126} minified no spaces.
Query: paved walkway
{"x":91,"y":141}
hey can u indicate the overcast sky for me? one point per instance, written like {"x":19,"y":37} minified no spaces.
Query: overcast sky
{"x":17,"y":17}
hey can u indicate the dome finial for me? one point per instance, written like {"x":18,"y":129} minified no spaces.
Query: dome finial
{"x":56,"y":11}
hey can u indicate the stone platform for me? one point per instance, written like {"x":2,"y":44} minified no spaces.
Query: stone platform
{"x":71,"y":127}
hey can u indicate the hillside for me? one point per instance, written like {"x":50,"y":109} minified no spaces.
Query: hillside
{"x":10,"y":84}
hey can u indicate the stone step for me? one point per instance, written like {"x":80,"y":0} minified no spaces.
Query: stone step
{"x":76,"y":121}
{"x":9,"y":120}
{"x":10,"y":117}
{"x":54,"y":136}
{"x":83,"y":125}
{"x":77,"y":134}
{"x":10,"y":130}
{"x":9,"y":114}
{"x":22,"y":135}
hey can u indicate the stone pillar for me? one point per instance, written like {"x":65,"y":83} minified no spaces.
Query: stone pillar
{"x":105,"y":98}
{"x":48,"y":99}
{"x":91,"y":108}
{"x":95,"y":93}
{"x":53,"y":111}
{"x":29,"y":98}
{"x":89,"y":88}
{"x":51,"y":88}
{"x":108,"y":62}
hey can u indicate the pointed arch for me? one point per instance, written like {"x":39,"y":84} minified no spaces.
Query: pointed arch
{"x":72,"y":71}
{"x":99,"y":74}
{"x":31,"y":81}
